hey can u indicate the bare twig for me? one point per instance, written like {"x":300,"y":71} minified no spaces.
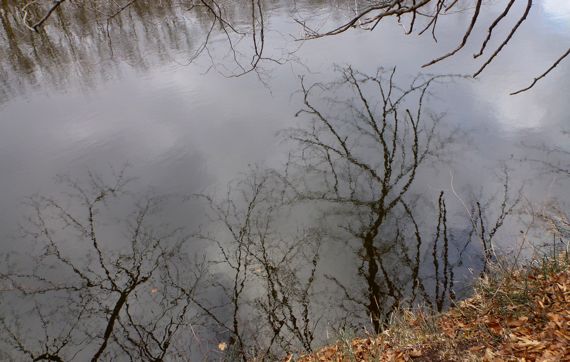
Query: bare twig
{"x":562,"y":57}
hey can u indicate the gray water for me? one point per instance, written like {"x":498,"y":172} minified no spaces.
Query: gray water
{"x":83,"y":97}
{"x":77,"y":105}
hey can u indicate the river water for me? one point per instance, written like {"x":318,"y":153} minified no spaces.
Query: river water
{"x":89,"y":94}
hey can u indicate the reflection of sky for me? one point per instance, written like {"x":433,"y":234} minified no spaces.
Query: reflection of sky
{"x":558,"y":10}
{"x":181,"y":129}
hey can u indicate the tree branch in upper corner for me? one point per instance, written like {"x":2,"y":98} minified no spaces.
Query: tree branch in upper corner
{"x":543,"y":74}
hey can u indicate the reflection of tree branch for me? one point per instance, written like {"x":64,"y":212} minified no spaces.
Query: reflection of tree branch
{"x":57,"y":3}
{"x":337,"y":148}
{"x":120,"y":10}
{"x":214,"y":15}
{"x":432,"y":10}
{"x":506,"y":208}
{"x":280,"y":271}
{"x":415,"y":264}
{"x":94,"y":302}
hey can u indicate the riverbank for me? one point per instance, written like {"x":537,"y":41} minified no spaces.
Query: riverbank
{"x":515,"y":314}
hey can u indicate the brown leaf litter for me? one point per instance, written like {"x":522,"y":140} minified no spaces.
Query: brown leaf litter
{"x":522,"y":316}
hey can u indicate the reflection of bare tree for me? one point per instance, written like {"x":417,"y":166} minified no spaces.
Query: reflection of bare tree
{"x":549,"y":159}
{"x":553,"y":162}
{"x":422,"y":16}
{"x":487,"y":230}
{"x":239,"y":25}
{"x":265,"y":277}
{"x":487,"y":216}
{"x":367,"y":159}
{"x":92,"y":38}
{"x":93,"y":294}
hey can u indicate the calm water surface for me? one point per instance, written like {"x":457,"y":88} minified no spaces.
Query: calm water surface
{"x":83,"y":96}
{"x":72,"y":101}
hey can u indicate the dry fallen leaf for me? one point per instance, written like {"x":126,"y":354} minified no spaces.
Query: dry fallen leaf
{"x":484,"y":327}
{"x":489,"y":355}
{"x":415,"y":353}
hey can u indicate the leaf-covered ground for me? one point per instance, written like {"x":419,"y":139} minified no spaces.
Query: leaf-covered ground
{"x":518,"y":315}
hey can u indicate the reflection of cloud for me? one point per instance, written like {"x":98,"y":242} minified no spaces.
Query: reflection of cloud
{"x":519,"y":112}
{"x":558,"y":10}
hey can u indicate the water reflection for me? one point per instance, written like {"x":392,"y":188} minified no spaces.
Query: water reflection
{"x":86,"y":292}
{"x":368,"y":156}
{"x":558,"y":10}
{"x":91,"y":44}
{"x":253,"y":278}
{"x":384,"y":203}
